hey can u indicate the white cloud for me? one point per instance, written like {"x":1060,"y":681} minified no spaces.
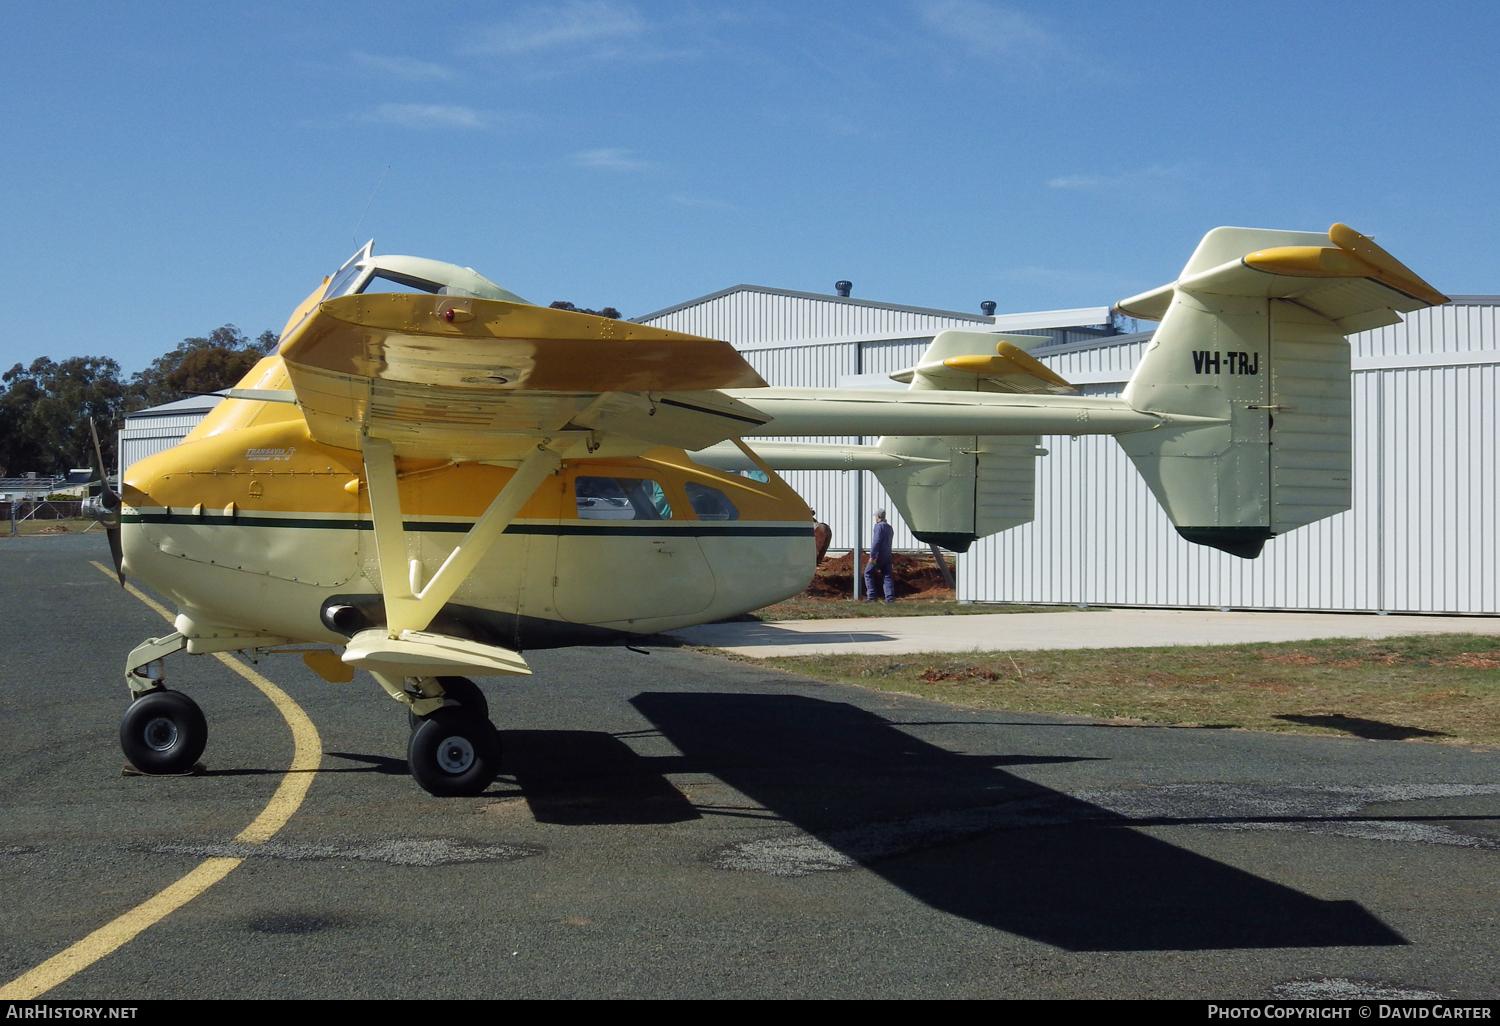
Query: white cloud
{"x":425,"y":115}
{"x":611,"y":159}
{"x":577,"y":24}
{"x":400,"y":67}
{"x":991,"y":30}
{"x":1156,"y":173}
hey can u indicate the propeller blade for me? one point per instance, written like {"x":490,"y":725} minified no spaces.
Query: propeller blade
{"x":112,"y":532}
{"x":110,"y":500}
{"x":106,"y":493}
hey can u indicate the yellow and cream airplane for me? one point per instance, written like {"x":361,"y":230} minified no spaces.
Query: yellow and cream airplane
{"x":431,"y":475}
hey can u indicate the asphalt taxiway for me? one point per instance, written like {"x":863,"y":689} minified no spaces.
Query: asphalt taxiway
{"x":677,"y":825}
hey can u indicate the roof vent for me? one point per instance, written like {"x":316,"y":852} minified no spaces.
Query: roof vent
{"x":843,"y":287}
{"x":988,"y":306}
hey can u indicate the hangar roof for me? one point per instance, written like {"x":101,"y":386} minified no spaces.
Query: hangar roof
{"x":193,"y":404}
{"x":817,"y":296}
{"x":752,"y":316}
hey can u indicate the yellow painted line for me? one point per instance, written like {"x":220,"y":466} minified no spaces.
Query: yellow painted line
{"x":113,"y":935}
{"x":307,"y":756}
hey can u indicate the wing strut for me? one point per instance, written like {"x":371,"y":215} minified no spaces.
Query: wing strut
{"x":409,"y":606}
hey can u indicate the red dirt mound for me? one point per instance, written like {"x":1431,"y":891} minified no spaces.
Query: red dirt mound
{"x":916,"y":576}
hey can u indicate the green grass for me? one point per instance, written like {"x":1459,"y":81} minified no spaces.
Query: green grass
{"x":1428,"y":687}
{"x":46,"y":527}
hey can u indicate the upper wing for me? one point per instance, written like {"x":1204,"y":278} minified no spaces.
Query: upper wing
{"x":463,"y":378}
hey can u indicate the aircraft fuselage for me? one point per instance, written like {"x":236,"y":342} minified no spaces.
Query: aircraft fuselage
{"x":252,"y":527}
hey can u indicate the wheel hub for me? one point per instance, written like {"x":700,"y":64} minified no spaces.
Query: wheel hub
{"x":455,"y":754}
{"x":160,"y":734}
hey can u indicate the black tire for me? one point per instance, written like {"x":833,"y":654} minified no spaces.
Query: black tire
{"x":163,"y":732}
{"x":458,"y":692}
{"x":454,"y":754}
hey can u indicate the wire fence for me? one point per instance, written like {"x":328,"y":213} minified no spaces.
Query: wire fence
{"x":40,"y":509}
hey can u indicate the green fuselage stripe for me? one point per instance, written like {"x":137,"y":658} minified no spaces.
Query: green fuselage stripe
{"x":616,"y":528}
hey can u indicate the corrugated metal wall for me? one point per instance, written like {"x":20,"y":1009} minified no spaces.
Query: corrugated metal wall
{"x":1467,"y":324}
{"x":1421,"y":536}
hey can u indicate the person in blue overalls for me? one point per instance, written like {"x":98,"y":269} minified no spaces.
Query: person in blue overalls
{"x":880,"y":559}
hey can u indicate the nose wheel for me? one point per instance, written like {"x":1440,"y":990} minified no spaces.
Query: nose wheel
{"x":163,"y":732}
{"x":454,"y":753}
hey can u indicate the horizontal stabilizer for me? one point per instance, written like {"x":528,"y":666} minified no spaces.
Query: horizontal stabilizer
{"x":1352,"y":282}
{"x":983,"y":361}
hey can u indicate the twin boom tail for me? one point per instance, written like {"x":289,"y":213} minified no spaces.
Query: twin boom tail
{"x":1237,"y":416}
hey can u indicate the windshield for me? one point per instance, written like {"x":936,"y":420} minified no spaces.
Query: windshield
{"x":365,"y":272}
{"x":344,"y":280}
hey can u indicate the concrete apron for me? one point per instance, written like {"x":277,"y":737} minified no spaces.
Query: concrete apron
{"x":1113,"y":628}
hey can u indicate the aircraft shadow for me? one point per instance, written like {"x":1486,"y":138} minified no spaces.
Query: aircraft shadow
{"x":1087,"y":883}
{"x":374,"y":764}
{"x":584,"y":777}
{"x":1373,"y":730}
{"x":1061,"y":726}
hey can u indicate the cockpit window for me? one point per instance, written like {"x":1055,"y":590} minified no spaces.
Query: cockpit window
{"x":358,"y":279}
{"x":365,"y":272}
{"x":710,"y":503}
{"x":390,"y":281}
{"x":620,"y":498}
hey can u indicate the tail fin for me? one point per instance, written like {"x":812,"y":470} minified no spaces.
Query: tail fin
{"x":960,"y":488}
{"x":1253,"y":336}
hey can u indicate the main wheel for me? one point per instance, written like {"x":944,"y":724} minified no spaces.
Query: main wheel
{"x":163,"y":732}
{"x":454,"y":754}
{"x":461,"y":692}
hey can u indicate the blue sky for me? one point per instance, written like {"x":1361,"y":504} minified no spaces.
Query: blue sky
{"x":169,"y":168}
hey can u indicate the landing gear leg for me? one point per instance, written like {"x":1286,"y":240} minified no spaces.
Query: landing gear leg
{"x":457,"y":692}
{"x":454,"y":750}
{"x":162,"y":731}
